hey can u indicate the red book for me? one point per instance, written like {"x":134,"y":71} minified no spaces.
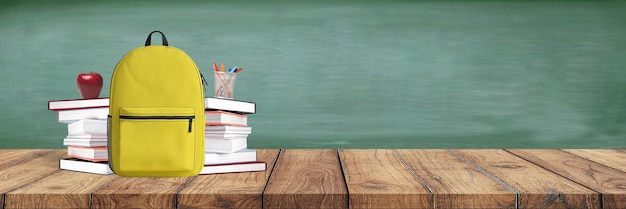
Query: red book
{"x":94,"y":154}
{"x":72,"y":104}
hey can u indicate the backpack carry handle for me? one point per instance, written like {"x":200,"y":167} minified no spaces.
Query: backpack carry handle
{"x":148,"y":41}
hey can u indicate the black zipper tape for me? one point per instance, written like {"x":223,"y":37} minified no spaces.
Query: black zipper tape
{"x":190,"y":118}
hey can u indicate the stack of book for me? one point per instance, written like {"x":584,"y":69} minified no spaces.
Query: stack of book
{"x":86,"y":138}
{"x":226,"y":137}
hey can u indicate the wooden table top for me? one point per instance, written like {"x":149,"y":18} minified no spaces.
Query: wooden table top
{"x":345,"y":178}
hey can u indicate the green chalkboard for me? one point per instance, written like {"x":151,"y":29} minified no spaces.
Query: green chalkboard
{"x":345,"y":74}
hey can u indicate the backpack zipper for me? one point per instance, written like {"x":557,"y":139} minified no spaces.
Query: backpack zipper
{"x":190,"y":118}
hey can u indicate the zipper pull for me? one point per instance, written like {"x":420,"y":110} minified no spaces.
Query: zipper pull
{"x":190,"y":124}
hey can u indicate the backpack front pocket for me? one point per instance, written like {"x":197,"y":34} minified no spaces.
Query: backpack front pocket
{"x":156,"y":139}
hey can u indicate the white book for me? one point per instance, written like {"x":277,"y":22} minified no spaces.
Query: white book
{"x":225,"y":135}
{"x":234,"y":168}
{"x":85,"y":142}
{"x":227,"y":129}
{"x":225,"y":145}
{"x":57,"y":105}
{"x":87,"y":136}
{"x":87,"y":126}
{"x":242,"y":107}
{"x":69,"y":116}
{"x":244,"y":155}
{"x":218,"y":118}
{"x":73,"y":164}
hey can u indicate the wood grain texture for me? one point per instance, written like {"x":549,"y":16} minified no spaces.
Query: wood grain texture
{"x":314,"y":179}
{"x":237,"y":190}
{"x":537,"y":187}
{"x":455,"y":183}
{"x":139,"y":192}
{"x":306,"y":179}
{"x":377,"y":179}
{"x":12,"y":156}
{"x":611,"y":183}
{"x":609,"y":157}
{"x":28,"y":170}
{"x":65,"y":189}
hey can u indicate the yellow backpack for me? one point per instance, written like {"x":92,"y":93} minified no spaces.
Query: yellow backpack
{"x":156,"y":113}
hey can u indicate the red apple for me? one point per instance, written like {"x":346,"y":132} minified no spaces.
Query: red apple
{"x":89,"y":84}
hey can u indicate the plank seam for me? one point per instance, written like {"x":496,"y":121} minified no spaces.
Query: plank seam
{"x":565,"y":177}
{"x":551,"y":171}
{"x":345,"y":181}
{"x":420,"y":180}
{"x":583,"y":157}
{"x":99,"y":188}
{"x":280,"y":151}
{"x":177,"y":194}
{"x":608,"y":166}
{"x":490,"y":175}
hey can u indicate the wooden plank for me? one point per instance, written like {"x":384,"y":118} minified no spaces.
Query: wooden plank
{"x":609,"y":182}
{"x":377,"y":179}
{"x":17,"y":175}
{"x":12,"y":156}
{"x":609,"y":157}
{"x":237,"y":190}
{"x":139,"y":192}
{"x":455,"y":183}
{"x":537,"y":187}
{"x":65,"y":189}
{"x":306,"y":179}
